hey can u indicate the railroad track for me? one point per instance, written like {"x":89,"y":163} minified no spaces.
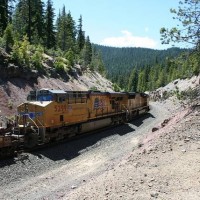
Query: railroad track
{"x":22,"y":150}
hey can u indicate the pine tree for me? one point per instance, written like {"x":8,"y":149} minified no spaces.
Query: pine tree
{"x":8,"y":38}
{"x":133,"y":80}
{"x":58,"y":29}
{"x":37,"y":22}
{"x":188,"y":15}
{"x":61,"y":30}
{"x":81,"y":35}
{"x":142,"y":85}
{"x":122,"y":81}
{"x":71,"y":33}
{"x":50,"y":40}
{"x":29,"y":20}
{"x":161,"y":78}
{"x":97,"y":62}
{"x":66,"y":32}
{"x":21,"y":19}
{"x":5,"y":14}
{"x":86,"y":52}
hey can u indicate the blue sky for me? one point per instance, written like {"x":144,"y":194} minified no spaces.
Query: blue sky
{"x":122,"y":23}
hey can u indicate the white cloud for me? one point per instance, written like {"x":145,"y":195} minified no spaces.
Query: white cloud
{"x":129,"y":40}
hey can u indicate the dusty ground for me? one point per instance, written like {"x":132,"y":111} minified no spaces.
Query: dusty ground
{"x":127,"y":162}
{"x":166,"y":166}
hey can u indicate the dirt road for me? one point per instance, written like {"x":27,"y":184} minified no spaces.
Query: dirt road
{"x":72,"y":170}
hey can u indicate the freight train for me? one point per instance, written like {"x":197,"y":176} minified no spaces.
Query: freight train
{"x":51,"y":115}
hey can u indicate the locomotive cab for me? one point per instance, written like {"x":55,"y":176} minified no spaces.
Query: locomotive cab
{"x":33,"y":115}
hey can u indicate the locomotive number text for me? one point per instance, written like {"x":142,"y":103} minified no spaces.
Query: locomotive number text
{"x":60,"y":108}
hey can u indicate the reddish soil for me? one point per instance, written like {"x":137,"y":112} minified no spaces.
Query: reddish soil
{"x":14,"y":91}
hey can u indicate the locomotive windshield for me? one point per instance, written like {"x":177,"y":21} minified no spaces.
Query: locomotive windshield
{"x":31,"y":97}
{"x":46,"y":95}
{"x":40,"y":96}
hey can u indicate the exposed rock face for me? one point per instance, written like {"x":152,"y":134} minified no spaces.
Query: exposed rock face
{"x":10,"y":70}
{"x":17,"y":81}
{"x":13,"y":71}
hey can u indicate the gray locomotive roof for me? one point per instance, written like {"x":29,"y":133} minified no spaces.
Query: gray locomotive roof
{"x":40,"y":103}
{"x":57,"y":91}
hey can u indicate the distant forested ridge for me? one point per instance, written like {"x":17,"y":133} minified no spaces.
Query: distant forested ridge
{"x":119,"y":60}
{"x":140,"y":69}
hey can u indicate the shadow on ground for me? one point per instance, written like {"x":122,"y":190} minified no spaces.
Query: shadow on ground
{"x":71,"y":149}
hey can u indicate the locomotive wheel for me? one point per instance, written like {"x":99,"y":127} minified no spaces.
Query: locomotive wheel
{"x":2,"y":153}
{"x":30,"y":140}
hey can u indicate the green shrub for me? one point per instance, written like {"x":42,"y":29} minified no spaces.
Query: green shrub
{"x":2,"y":43}
{"x":190,"y":94}
{"x":62,"y":65}
{"x":37,"y":57}
{"x":116,"y":87}
{"x":10,"y":104}
{"x":21,"y":52}
{"x":36,"y":60}
{"x":70,"y":57}
{"x":93,"y":88}
{"x":59,"y":66}
{"x":17,"y":54}
{"x":8,"y":38}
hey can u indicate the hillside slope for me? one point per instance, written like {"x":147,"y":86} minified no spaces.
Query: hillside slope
{"x":17,"y":81}
{"x":164,"y":166}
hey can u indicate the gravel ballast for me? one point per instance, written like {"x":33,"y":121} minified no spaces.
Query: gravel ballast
{"x":51,"y":172}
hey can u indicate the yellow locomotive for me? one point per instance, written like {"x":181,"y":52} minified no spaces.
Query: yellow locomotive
{"x":51,"y":115}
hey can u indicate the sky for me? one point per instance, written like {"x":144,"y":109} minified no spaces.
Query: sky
{"x":122,"y":23}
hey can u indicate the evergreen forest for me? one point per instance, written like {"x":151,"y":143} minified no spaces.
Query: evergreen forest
{"x":141,"y":69}
{"x":30,"y":28}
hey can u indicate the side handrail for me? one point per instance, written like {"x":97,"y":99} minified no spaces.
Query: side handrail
{"x":34,"y":123}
